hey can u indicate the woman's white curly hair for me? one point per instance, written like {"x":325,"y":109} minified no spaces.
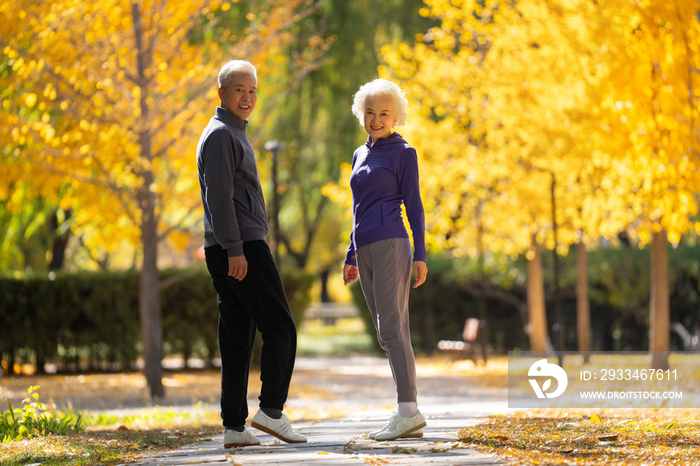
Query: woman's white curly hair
{"x":382,"y":87}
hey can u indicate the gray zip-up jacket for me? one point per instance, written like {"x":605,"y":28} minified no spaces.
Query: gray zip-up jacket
{"x":234,"y":206}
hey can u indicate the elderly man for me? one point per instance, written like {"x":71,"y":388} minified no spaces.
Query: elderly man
{"x":245,"y":277}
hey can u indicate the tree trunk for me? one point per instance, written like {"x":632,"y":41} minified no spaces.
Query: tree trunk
{"x":483,"y":302}
{"x":149,"y":284}
{"x":559,"y":315}
{"x":428,"y":328}
{"x":535,"y":301}
{"x":484,"y":325}
{"x":325,"y":297}
{"x":186,"y":352}
{"x":583,"y":313}
{"x":660,"y":316}
{"x":149,"y":299}
{"x":60,"y":241}
{"x":40,"y":361}
{"x":276,"y":207}
{"x":14,"y":362}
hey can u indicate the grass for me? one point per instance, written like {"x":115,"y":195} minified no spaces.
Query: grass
{"x":100,"y":447}
{"x":154,"y":418}
{"x":33,"y":419}
{"x":107,"y":438}
{"x":346,"y":337}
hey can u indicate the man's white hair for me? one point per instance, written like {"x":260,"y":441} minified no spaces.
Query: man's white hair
{"x":233,"y":67}
{"x":382,"y":87}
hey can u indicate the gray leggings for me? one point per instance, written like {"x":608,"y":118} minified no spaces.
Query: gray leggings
{"x":385,"y":275}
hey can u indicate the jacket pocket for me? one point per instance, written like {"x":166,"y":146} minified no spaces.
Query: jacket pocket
{"x":255,"y":207}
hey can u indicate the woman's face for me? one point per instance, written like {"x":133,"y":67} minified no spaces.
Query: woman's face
{"x":379,"y":116}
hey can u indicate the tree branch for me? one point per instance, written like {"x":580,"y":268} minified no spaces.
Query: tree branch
{"x":101,"y":262}
{"x":175,"y":279}
{"x":297,"y":256}
{"x":178,"y":226}
{"x":495,"y":293}
{"x":103,"y":183}
{"x":311,"y":232}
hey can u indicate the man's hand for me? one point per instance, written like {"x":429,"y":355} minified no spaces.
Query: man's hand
{"x":237,"y":267}
{"x":420,"y":271}
{"x":350,"y":274}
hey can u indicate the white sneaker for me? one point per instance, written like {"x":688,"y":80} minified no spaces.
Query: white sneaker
{"x":280,"y":428}
{"x":233,"y":439}
{"x":400,"y":426}
{"x":417,"y":434}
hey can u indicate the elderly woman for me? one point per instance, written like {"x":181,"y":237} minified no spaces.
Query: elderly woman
{"x":385,"y":175}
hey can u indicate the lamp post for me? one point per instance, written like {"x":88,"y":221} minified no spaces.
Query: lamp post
{"x":274,"y":147}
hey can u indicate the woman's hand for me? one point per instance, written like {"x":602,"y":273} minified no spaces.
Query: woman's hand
{"x":350,"y":274}
{"x":420,"y":271}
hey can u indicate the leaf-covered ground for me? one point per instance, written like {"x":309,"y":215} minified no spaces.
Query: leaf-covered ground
{"x":120,"y":436}
{"x":591,"y":437}
{"x":100,"y":447}
{"x":123,"y":422}
{"x":190,"y":413}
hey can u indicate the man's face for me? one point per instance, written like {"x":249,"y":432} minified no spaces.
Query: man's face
{"x":240,"y":95}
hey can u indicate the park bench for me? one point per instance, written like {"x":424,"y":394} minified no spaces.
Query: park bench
{"x":691,"y":342}
{"x":465,"y":349}
{"x":329,"y":313}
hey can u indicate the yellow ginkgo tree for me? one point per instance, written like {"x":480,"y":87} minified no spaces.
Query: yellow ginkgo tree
{"x":655,"y":87}
{"x":109,"y":97}
{"x":505,"y":122}
{"x":554,"y":122}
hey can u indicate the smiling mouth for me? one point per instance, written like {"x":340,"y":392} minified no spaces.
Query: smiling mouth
{"x":375,"y":128}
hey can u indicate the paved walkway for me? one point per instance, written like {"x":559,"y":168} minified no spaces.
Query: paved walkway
{"x":363,"y":384}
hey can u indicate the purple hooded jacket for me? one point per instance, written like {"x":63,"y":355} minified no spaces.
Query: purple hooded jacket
{"x":383,"y":177}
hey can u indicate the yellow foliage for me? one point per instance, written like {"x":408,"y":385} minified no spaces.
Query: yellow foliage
{"x":110,"y":97}
{"x":179,"y":239}
{"x":590,"y":101}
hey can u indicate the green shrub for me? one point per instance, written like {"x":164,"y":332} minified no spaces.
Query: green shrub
{"x":33,"y":420}
{"x":92,"y":319}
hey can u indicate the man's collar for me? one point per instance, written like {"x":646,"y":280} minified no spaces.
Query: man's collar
{"x":228,"y":117}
